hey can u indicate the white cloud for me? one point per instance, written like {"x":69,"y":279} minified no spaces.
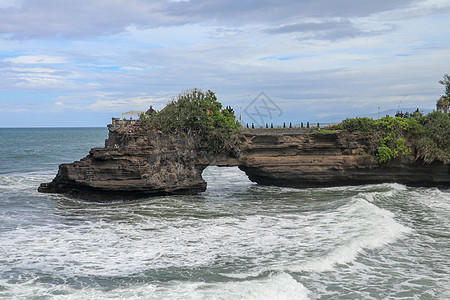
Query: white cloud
{"x":72,"y":19}
{"x":36,"y":59}
{"x":419,"y":9}
{"x":24,"y":70}
{"x":113,"y":104}
{"x":132,"y":68}
{"x":10,"y":4}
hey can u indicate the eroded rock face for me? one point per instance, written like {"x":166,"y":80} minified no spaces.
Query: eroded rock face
{"x":136,"y":164}
{"x":300,"y":160}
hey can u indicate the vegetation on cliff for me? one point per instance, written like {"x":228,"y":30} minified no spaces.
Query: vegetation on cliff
{"x":198,"y":113}
{"x":391,"y":137}
{"x":443,"y":103}
{"x":434,"y":141}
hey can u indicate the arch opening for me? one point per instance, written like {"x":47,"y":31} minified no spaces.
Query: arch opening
{"x":225,"y":178}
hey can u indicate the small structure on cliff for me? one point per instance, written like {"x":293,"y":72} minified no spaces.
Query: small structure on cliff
{"x":132,"y":113}
{"x":150,"y":111}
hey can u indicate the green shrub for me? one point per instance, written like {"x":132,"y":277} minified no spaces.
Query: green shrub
{"x":195,"y":112}
{"x":390,"y":135}
{"x":396,"y":137}
{"x":400,"y":148}
{"x":394,"y":133}
{"x":398,"y":126}
{"x":357,"y":124}
{"x":384,"y":154}
{"x":391,"y":148}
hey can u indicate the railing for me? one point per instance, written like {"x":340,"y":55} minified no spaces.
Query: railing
{"x":117,"y":122}
{"x":306,"y":125}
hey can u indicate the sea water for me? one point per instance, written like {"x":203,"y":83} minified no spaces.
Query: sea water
{"x":237,"y":240}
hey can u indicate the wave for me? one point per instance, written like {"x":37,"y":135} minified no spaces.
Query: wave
{"x":132,"y":237}
{"x":258,"y":247}
{"x":26,"y":180}
{"x":365,"y":227}
{"x":337,"y":237}
{"x":276,"y":286}
{"x":394,"y":187}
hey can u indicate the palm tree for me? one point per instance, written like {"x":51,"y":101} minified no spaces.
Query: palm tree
{"x":443,"y":103}
{"x":446,"y":83}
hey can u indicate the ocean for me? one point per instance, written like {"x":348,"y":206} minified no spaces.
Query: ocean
{"x":237,"y":240}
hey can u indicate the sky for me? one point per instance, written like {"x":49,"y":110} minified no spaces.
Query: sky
{"x":77,"y":63}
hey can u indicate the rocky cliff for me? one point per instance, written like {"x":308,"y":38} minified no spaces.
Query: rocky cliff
{"x":135,"y":163}
{"x":327,"y":158}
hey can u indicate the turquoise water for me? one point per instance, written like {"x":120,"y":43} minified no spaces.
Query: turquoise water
{"x":237,"y":240}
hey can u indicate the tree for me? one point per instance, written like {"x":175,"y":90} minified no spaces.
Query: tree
{"x":446,"y":83}
{"x":444,"y":102}
{"x":198,"y":113}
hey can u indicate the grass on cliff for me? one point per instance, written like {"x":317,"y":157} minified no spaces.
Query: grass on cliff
{"x":391,"y":137}
{"x":198,"y":113}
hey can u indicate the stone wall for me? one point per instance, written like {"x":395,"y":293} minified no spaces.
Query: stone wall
{"x":117,"y":123}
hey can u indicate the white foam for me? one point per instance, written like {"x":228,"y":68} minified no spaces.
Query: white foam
{"x":177,"y":233}
{"x":22,"y":181}
{"x":396,"y":186}
{"x":366,"y":226}
{"x":145,"y":242}
{"x":278,"y":286}
{"x":368,"y":187}
{"x":434,"y":198}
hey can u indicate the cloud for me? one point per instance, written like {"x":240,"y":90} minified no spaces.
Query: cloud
{"x":276,"y":10}
{"x":37,"y":19}
{"x":113,"y":104}
{"x":33,"y":72}
{"x":36,"y":59}
{"x":419,"y":9}
{"x":328,"y":29}
{"x":313,"y":26}
{"x":312,"y":57}
{"x":75,"y":19}
{"x":9,"y":4}
{"x":132,"y":68}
